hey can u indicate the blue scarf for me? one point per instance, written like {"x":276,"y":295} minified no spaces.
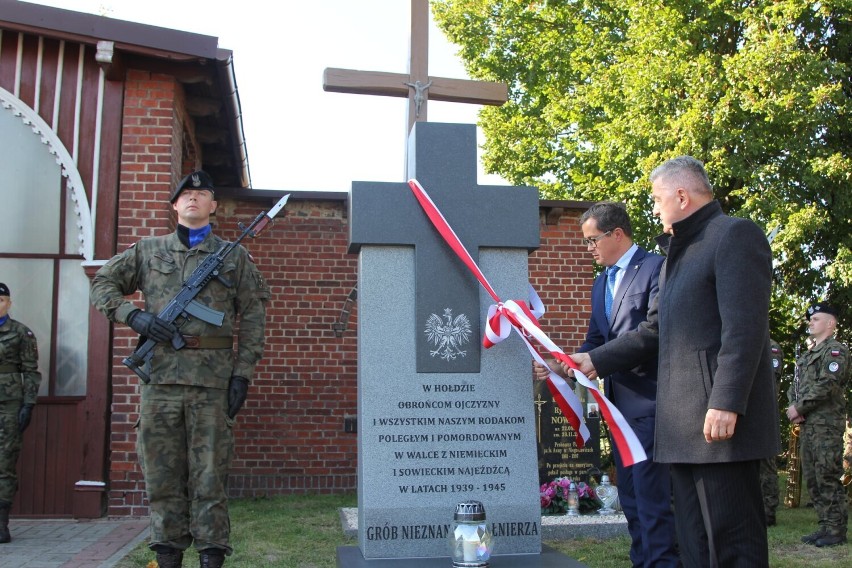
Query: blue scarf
{"x":191,"y":237}
{"x":197,"y":235}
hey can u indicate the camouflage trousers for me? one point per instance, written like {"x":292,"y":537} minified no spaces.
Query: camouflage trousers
{"x":10,"y":449}
{"x":185,"y":445}
{"x":769,"y":485}
{"x":822,"y":457}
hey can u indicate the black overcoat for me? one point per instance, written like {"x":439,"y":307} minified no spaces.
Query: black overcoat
{"x":710,"y":327}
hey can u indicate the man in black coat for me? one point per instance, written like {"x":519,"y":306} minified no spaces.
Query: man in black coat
{"x":716,"y":411}
{"x":621,"y":296}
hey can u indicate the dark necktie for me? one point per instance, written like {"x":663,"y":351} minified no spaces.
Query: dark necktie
{"x":610,"y":290}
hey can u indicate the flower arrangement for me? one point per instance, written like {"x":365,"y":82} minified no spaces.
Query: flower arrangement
{"x":554,"y":497}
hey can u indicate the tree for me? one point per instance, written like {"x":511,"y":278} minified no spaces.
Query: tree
{"x":603,"y":91}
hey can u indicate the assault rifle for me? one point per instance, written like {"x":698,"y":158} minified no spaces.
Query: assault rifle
{"x":796,"y":373}
{"x":184,"y":305}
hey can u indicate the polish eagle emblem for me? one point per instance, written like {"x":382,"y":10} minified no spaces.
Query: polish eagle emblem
{"x":448,"y":334}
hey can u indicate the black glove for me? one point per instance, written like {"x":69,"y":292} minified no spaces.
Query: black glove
{"x":237,"y":392}
{"x":151,"y":326}
{"x":24,"y":416}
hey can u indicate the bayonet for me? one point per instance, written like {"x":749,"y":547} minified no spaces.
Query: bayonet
{"x":184,"y":305}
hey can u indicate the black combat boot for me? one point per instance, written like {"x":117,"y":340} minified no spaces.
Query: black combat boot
{"x":814,"y":536}
{"x":168,"y":557}
{"x":4,"y":522}
{"x":211,"y":558}
{"x":830,"y":539}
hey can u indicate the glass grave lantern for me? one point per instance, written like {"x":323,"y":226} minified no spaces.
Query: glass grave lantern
{"x":608,"y":494}
{"x":471,"y":542}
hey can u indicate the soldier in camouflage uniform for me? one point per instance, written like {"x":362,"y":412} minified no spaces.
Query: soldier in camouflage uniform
{"x":769,"y":466}
{"x":820,"y":409}
{"x":184,"y":437}
{"x":19,"y":382}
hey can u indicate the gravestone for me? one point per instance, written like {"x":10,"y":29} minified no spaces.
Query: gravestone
{"x":558,"y":452}
{"x":431,"y":432}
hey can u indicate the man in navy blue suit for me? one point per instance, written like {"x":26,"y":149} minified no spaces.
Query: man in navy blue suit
{"x":621,"y":295}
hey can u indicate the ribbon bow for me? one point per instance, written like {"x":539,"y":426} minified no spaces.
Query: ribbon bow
{"x":523,"y":318}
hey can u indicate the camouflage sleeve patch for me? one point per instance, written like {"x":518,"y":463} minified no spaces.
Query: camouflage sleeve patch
{"x":836,"y":363}
{"x":31,"y":347}
{"x":261,"y":290}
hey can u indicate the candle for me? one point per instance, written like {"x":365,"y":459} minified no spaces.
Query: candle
{"x":470,"y":548}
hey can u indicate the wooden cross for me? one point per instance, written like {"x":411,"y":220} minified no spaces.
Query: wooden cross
{"x":417,"y":85}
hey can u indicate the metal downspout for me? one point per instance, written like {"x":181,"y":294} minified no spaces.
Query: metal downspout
{"x":225,"y":60}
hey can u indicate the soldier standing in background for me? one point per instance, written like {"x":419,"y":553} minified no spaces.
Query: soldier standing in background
{"x":19,"y":382}
{"x":769,"y":466}
{"x":820,"y":410}
{"x":184,"y":438}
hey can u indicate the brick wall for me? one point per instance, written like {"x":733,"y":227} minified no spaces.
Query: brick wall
{"x":151,"y":137}
{"x":290,"y":435}
{"x":561,"y":272}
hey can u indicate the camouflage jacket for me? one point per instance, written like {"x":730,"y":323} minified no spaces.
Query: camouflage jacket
{"x":822,"y":383}
{"x":157,"y":267}
{"x":18,"y":348}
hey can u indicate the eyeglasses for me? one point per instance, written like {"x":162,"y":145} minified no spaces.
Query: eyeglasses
{"x":593,"y":241}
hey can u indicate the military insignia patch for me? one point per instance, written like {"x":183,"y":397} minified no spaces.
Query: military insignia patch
{"x":835,"y":352}
{"x":833,"y":366}
{"x":776,"y":363}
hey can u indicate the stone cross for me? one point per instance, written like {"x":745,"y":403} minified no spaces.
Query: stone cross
{"x":432,"y":431}
{"x":442,"y":157}
{"x":417,"y":85}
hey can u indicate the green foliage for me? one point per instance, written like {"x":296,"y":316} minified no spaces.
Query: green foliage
{"x":603,"y":91}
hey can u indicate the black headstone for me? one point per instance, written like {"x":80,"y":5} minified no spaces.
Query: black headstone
{"x":558,"y":452}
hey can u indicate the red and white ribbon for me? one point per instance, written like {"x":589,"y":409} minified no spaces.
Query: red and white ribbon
{"x":517,"y":315}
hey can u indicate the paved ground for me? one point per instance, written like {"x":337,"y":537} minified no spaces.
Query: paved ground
{"x":99,"y":543}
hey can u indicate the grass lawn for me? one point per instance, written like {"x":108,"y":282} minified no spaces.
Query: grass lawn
{"x":303,"y":531}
